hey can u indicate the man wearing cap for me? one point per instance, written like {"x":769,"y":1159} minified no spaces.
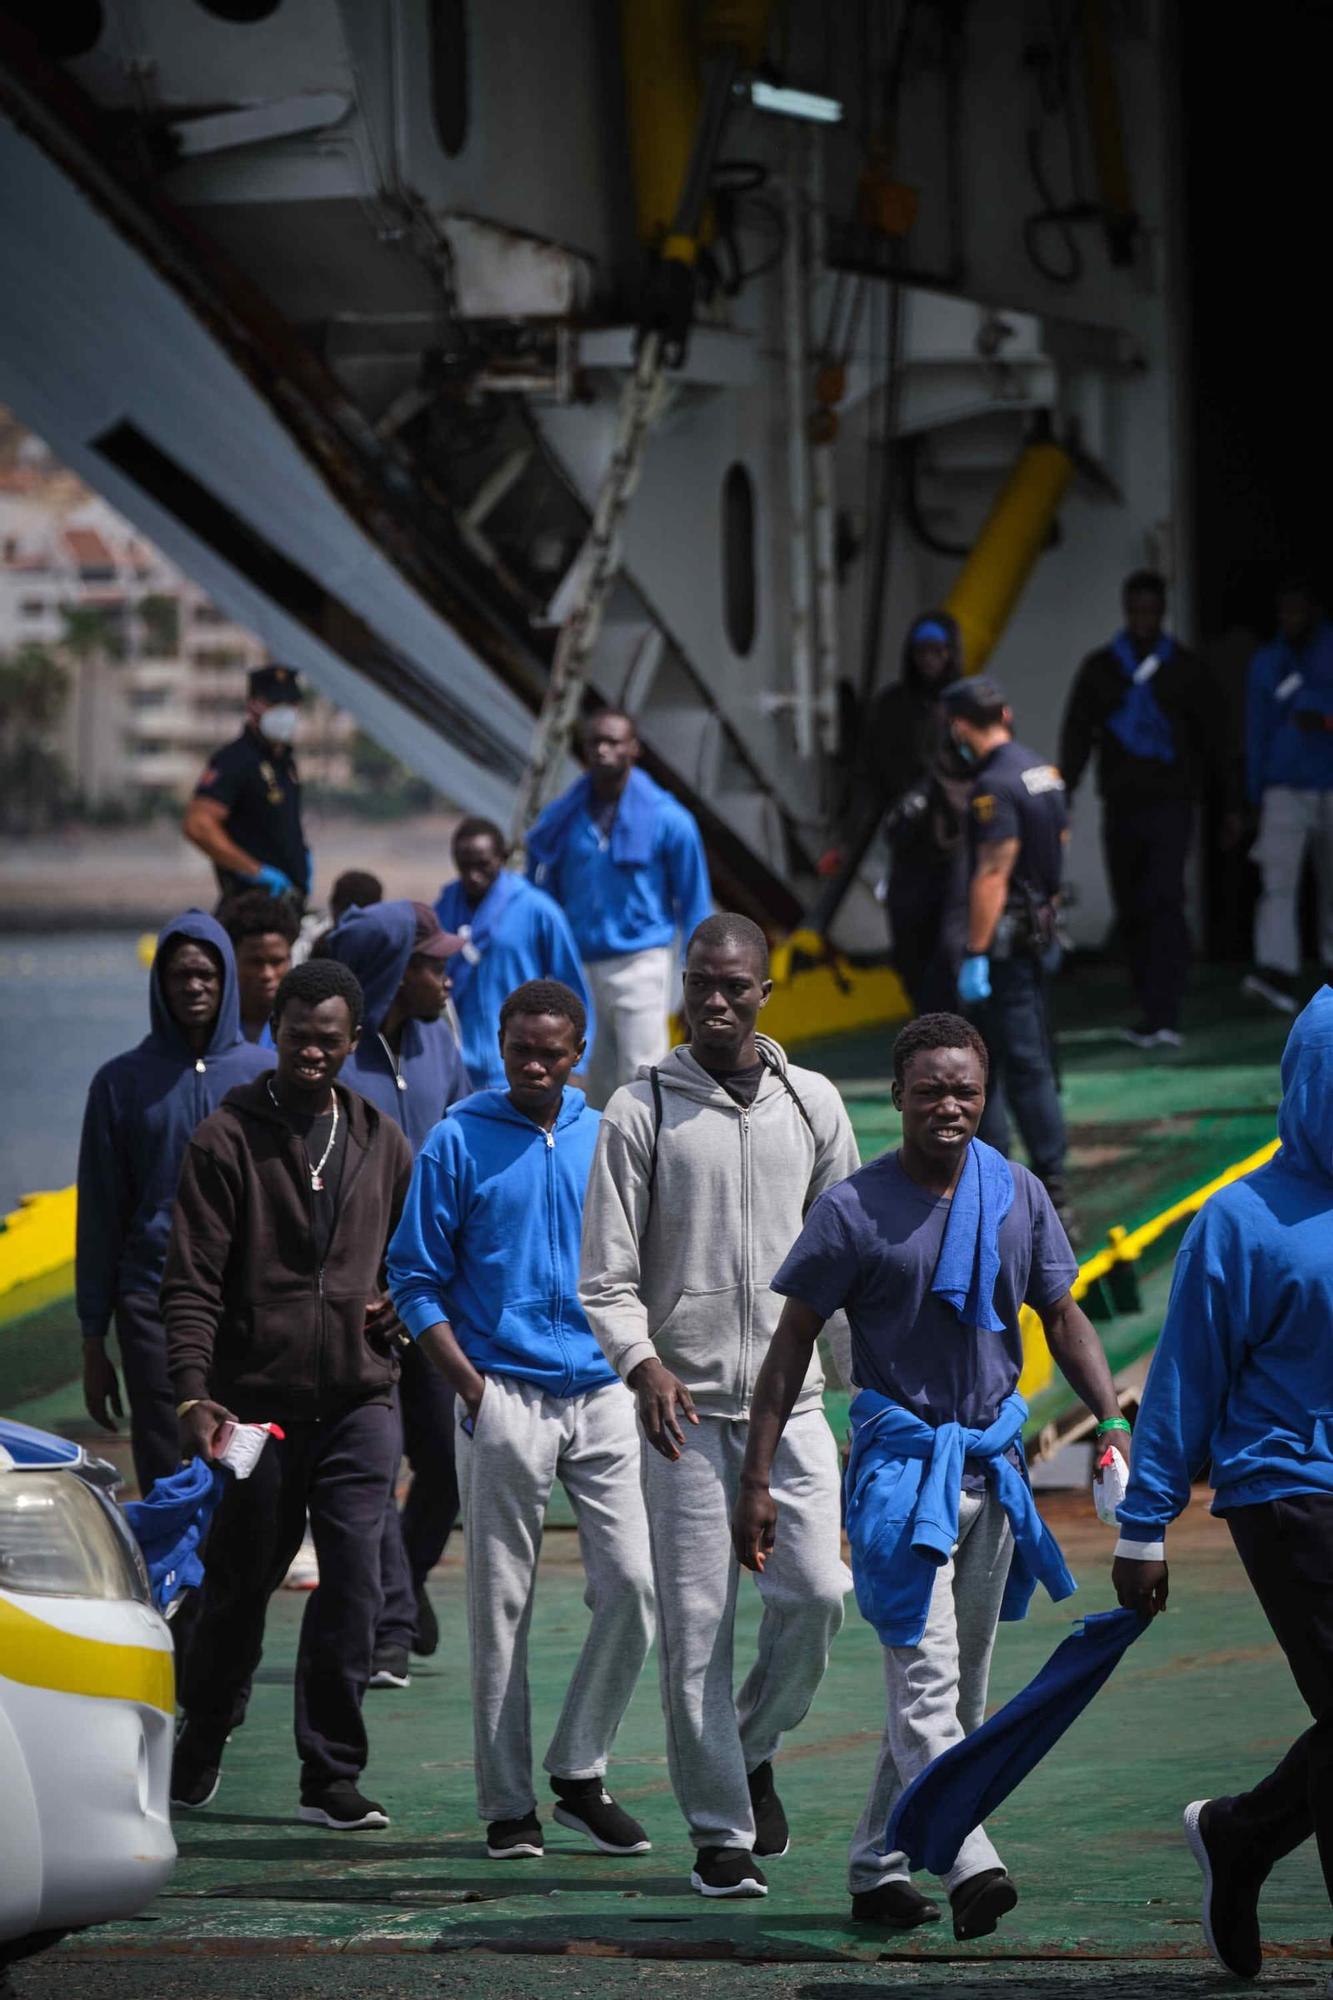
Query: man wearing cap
{"x":246,"y":811}
{"x":1019,"y":827}
{"x":408,"y":1064}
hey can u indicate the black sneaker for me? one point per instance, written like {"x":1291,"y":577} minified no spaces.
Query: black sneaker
{"x":341,"y":1806}
{"x":390,"y":1668}
{"x":515,"y":1839}
{"x":900,"y":1905}
{"x":587,"y":1807}
{"x":980,"y":1902}
{"x":727,"y":1871}
{"x":426,"y":1638}
{"x":1231,"y":1886}
{"x":196,"y":1770}
{"x":772,"y":1836}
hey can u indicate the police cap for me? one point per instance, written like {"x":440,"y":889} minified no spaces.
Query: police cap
{"x":273,"y":684}
{"x":977,"y":699}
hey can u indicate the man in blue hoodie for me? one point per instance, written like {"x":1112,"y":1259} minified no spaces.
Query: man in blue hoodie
{"x":625,"y":861}
{"x":511,"y":933}
{"x":1289,"y":773}
{"x":142,"y":1108}
{"x":1243,"y":1380}
{"x":483,"y":1269}
{"x":407,"y":1063}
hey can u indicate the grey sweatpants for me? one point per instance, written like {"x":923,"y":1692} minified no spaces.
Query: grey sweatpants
{"x":713,"y":1739}
{"x":524,"y":1440}
{"x":937,"y":1690}
{"x":633,"y":996}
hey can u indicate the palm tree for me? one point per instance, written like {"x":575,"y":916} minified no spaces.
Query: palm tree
{"x":34,"y":784}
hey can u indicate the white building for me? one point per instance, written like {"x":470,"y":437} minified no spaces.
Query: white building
{"x":157,"y":681}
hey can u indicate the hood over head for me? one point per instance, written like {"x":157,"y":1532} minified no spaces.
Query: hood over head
{"x":1305,"y":1115}
{"x":930,"y":625}
{"x":202,"y":929}
{"x":375,"y":944}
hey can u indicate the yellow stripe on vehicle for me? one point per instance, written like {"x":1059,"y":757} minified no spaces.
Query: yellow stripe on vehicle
{"x":40,"y":1655}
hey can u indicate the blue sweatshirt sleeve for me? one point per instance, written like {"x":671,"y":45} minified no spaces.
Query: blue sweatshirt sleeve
{"x":1260,"y":722}
{"x":105,"y":1203}
{"x":560,"y":954}
{"x":422,"y":1260}
{"x":688,"y":886}
{"x":1201,"y":1348}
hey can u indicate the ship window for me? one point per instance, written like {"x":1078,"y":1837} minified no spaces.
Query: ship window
{"x":63,"y":32}
{"x":242,"y":11}
{"x":448,"y":73}
{"x":738,"y":575}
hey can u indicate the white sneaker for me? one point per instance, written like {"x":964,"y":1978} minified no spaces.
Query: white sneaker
{"x":304,"y":1572}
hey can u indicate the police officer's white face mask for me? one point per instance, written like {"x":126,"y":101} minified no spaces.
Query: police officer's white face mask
{"x":279,"y":722}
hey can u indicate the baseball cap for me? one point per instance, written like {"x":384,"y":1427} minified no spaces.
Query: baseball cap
{"x":977,"y":699}
{"x":273,"y":683}
{"x":430,"y":940}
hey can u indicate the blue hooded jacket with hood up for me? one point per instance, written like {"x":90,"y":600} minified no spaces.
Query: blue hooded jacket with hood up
{"x":142,"y":1109}
{"x":489,"y":1240}
{"x":376,"y":944}
{"x":1243,"y":1373}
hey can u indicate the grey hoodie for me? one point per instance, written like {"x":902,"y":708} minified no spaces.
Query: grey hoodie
{"x":687,"y":1276}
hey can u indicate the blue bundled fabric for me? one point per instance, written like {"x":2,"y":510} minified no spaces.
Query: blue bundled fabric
{"x":963,"y":1786}
{"x":903,"y":1482}
{"x":969,"y":1259}
{"x":171,"y":1522}
{"x":1139,"y":723}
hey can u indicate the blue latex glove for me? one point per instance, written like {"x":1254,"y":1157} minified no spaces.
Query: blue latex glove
{"x":274,"y":881}
{"x":309,"y":871}
{"x":974,"y":979}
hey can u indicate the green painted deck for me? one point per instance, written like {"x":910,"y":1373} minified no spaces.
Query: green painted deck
{"x":1109,"y":1894}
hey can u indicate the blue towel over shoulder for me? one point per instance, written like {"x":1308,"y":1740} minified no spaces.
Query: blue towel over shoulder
{"x":969,"y":1260}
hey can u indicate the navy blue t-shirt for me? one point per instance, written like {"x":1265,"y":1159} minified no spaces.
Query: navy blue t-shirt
{"x":871,"y":1244}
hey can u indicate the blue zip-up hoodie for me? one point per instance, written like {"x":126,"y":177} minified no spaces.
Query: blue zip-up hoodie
{"x":142,"y":1109}
{"x":489,"y":1240}
{"x":1243,"y":1373}
{"x":517,"y":933}
{"x":1286,"y":683}
{"x":376,"y":944}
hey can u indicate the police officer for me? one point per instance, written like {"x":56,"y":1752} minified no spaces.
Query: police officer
{"x":1019,"y":825}
{"x":246,"y":809}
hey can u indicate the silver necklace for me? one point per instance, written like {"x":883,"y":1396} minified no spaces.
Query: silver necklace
{"x":316,"y":1172}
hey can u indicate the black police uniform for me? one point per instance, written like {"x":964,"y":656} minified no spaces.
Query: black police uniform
{"x":1018,"y":795}
{"x":256,"y":780}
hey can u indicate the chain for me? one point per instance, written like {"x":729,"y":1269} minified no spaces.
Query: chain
{"x":641,"y":402}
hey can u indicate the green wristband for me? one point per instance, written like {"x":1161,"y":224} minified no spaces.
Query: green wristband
{"x":1113,"y":1424}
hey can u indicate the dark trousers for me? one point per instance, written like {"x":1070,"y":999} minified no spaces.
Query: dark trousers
{"x":414,"y":1540}
{"x":1287,"y":1549}
{"x":1146,"y":842}
{"x":339,"y":1470}
{"x":154,"y":1430}
{"x":1015,"y":1022}
{"x":927,"y":913}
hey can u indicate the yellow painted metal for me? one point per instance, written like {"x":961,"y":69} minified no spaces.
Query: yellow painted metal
{"x":664,"y":42}
{"x":1015,"y":533}
{"x":41,"y":1655}
{"x":1108,"y":138}
{"x":663,"y":93}
{"x":1125,"y":1247}
{"x":38,"y":1238}
{"x":831,"y":998}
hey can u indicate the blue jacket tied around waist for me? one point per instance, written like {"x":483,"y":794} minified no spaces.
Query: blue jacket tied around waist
{"x":969,"y":1259}
{"x":903,"y":1483}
